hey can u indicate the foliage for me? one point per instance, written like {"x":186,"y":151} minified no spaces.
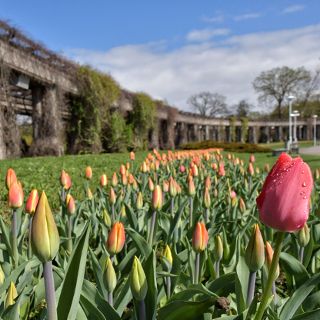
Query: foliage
{"x":232,"y":131}
{"x":208,"y":103}
{"x":172,"y":291}
{"x":143,"y":118}
{"x":227,"y":146}
{"x":91,"y":110}
{"x":244,"y":129}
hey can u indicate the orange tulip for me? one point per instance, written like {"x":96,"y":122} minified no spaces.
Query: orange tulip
{"x":200,"y":237}
{"x":10,"y":177}
{"x":103,"y":180}
{"x":88,"y":173}
{"x":15,"y":197}
{"x":116,"y":238}
{"x":71,"y":205}
{"x":132,"y":156}
{"x":157,"y":198}
{"x":114,"y":180}
{"x":32,"y":201}
{"x":65,"y":180}
{"x":112,"y":196}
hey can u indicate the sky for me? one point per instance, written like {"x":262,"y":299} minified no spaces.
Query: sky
{"x":172,"y":49}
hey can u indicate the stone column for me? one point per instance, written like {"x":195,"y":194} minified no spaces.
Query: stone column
{"x":37,"y":97}
{"x":170,"y":133}
{"x":207,"y":137}
{"x":255,"y":134}
{"x":154,"y":139}
{"x":3,"y":149}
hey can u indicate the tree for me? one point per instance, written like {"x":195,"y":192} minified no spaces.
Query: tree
{"x":208,"y":103}
{"x":276,"y":84}
{"x":243,"y":108}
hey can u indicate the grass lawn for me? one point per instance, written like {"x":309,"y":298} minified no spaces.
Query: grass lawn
{"x":43,"y":173}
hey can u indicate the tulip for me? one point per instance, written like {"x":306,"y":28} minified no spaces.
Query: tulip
{"x":182,"y":168}
{"x":157,"y":201}
{"x":116,"y":238}
{"x":252,"y":158}
{"x":250,"y":169}
{"x":138,"y":280}
{"x":207,"y":203}
{"x":124,"y":179}
{"x":103,"y":180}
{"x":303,"y":240}
{"x":71,"y":209}
{"x":200,"y":237}
{"x":207,"y":183}
{"x":284,"y":200}
{"x":199,"y":243}
{"x":139,"y":201}
{"x":165,"y":186}
{"x":114,"y":180}
{"x":15,"y":197}
{"x":32,"y":201}
{"x":191,"y":193}
{"x":15,"y":200}
{"x":30,"y":208}
{"x":255,"y":258}
{"x":88,"y":173}
{"x":11,"y":295}
{"x":106,"y":218}
{"x":167,"y":264}
{"x":221,"y":171}
{"x":65,"y":182}
{"x":10,"y":177}
{"x":218,"y":253}
{"x":132,"y":156}
{"x":172,"y":187}
{"x":122,"y":169}
{"x":89,"y":193}
{"x":45,"y":243}
{"x":71,"y":205}
{"x":269,"y":256}
{"x":109,"y":279}
{"x":150,"y":184}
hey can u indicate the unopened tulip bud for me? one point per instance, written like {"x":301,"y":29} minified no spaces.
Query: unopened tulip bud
{"x":32,"y":201}
{"x":207,"y":183}
{"x":123,"y":211}
{"x":269,"y":256}
{"x":221,"y":171}
{"x":218,"y":248}
{"x":167,"y":259}
{"x":157,"y":198}
{"x":103,"y":180}
{"x":206,"y":198}
{"x":71,"y":205}
{"x":114,"y":180}
{"x":150,"y":184}
{"x":11,"y":295}
{"x":122,"y":169}
{"x":139,"y":201}
{"x":191,"y":187}
{"x":10,"y":177}
{"x":112,"y":196}
{"x":144,"y":167}
{"x":242,"y":205}
{"x":89,"y":194}
{"x":165,"y":186}
{"x":65,"y":180}
{"x":132,"y":156}
{"x":226,"y":247}
{"x":214,"y":166}
{"x":138,"y":281}
{"x":2,"y":276}
{"x":15,"y":197}
{"x":267,"y":167}
{"x":250,"y":169}
{"x":200,"y":237}
{"x":182,"y":168}
{"x":172,"y":187}
{"x":88,"y":173}
{"x":254,"y":254}
{"x":252,"y":158}
{"x":106,"y":218}
{"x":304,"y":236}
{"x":194,"y":170}
{"x":45,"y":237}
{"x":109,"y":276}
{"x":317,"y":174}
{"x":116,"y":238}
{"x":124,"y":179}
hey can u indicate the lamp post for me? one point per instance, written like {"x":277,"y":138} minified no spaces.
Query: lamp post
{"x":290,"y":98}
{"x":294,"y":115}
{"x":314,"y":129}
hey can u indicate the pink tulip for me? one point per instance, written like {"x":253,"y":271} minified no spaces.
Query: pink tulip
{"x":284,"y":200}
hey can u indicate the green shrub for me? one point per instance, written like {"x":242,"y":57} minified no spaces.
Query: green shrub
{"x":227,"y":146}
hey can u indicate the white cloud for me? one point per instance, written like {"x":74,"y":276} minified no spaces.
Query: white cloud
{"x":206,"y":34}
{"x":293,"y":8}
{"x":228,"y":68}
{"x":247,"y":16}
{"x":214,"y":19}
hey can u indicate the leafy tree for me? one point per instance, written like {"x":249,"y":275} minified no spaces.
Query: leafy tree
{"x":208,"y":103}
{"x":275,"y":84}
{"x":243,"y":108}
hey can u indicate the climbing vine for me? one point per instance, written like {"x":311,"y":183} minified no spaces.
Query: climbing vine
{"x":244,"y":129}
{"x":91,"y":110}
{"x":143,"y":118}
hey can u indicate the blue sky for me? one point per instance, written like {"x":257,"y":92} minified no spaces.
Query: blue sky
{"x":172,"y":49}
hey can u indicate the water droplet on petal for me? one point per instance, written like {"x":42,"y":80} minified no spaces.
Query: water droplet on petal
{"x":304,"y":184}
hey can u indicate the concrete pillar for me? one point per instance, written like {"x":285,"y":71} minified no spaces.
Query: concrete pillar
{"x":154,"y":138}
{"x":255,"y":134}
{"x":310,"y":129}
{"x":183,"y":133}
{"x":37,"y":97}
{"x":207,"y":136}
{"x":170,"y":134}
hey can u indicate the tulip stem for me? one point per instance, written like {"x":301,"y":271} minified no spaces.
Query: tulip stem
{"x":197,"y":269}
{"x":110,"y":298}
{"x":69,"y":243}
{"x":168,"y":286}
{"x":206,"y":216}
{"x":190,"y":212}
{"x":14,"y":231}
{"x":172,"y":207}
{"x":251,"y":286}
{"x":271,"y":276}
{"x":217,"y":268}
{"x":152,"y":227}
{"x":301,"y":254}
{"x":29,"y":238}
{"x":113,"y":214}
{"x":50,"y":291}
{"x":142,"y":310}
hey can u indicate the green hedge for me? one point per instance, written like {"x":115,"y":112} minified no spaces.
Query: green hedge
{"x":227,"y":146}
